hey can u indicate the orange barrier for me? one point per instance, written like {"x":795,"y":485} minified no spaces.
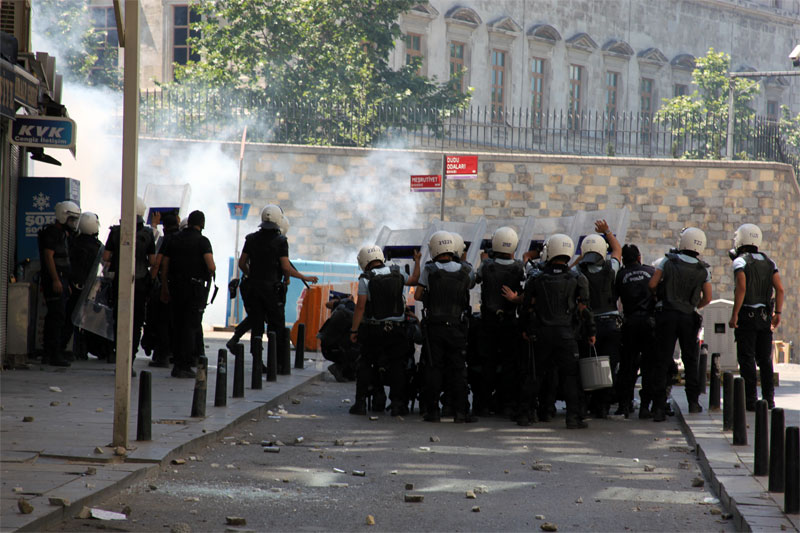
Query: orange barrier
{"x":313,"y":312}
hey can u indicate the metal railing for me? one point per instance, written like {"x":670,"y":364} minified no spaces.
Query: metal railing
{"x":221,"y":114}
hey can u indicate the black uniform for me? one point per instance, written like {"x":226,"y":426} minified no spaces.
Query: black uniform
{"x":159,"y":314}
{"x":753,"y":332}
{"x":83,"y":252}
{"x":679,"y":292}
{"x":550,"y":305}
{"x":638,"y":333}
{"x":265,"y":290}
{"x":497,"y":371}
{"x":189,"y":281}
{"x":57,"y":328}
{"x":335,"y":345}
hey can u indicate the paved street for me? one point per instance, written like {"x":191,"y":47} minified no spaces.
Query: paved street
{"x":617,"y":475}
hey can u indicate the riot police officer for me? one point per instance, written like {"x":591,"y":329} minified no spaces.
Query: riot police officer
{"x":379,"y":325}
{"x":83,"y":252}
{"x":159,"y":312}
{"x":638,"y":331}
{"x":53,"y":242}
{"x":682,"y":284}
{"x":446,"y":285}
{"x":500,"y":336}
{"x":601,"y":274}
{"x":551,"y":301}
{"x":752,"y":316}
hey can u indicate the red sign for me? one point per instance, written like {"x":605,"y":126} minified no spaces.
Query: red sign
{"x":426,"y":183}
{"x":461,"y":166}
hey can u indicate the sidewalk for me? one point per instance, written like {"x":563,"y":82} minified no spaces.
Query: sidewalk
{"x":730,"y":468}
{"x":72,"y":427}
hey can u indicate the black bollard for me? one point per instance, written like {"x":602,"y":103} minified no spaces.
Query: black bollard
{"x":300,"y":348}
{"x":144,"y":420}
{"x":776,"y":450}
{"x":727,"y":401}
{"x":200,"y":387}
{"x":238,"y":371}
{"x":713,"y":393}
{"x":258,"y":364}
{"x":761,"y":447}
{"x":791,"y":493}
{"x":285,"y":358}
{"x":739,"y":413}
{"x":221,"y":388}
{"x":272,"y":357}
{"x":701,"y":367}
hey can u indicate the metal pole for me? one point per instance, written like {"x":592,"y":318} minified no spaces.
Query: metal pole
{"x":731,"y":118}
{"x":444,"y":185}
{"x":125,"y":273}
{"x":235,"y":273}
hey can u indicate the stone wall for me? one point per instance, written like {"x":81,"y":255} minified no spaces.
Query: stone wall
{"x":337,"y":199}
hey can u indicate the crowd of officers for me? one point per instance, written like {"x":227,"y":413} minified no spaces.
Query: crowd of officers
{"x":539,"y":318}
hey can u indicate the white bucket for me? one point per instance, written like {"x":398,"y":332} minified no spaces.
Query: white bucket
{"x":595,"y":372}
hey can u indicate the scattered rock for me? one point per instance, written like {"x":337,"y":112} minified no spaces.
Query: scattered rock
{"x":295,"y":401}
{"x":359,"y":473}
{"x":373,"y":418}
{"x":542,"y":467}
{"x":152,"y":487}
{"x":178,"y":462}
{"x":481,"y":489}
{"x":413,"y":498}
{"x":339,"y":485}
{"x":393,"y":472}
{"x":684,"y":465}
{"x":285,"y":480}
{"x":180,"y":527}
{"x":120,"y":451}
{"x":681,"y":449}
{"x":435,"y":439}
{"x":192,"y":499}
{"x":27,"y":419}
{"x":17,"y":489}
{"x":539,"y":517}
{"x":471,"y":495}
{"x":90,"y":471}
{"x":339,"y":442}
{"x":409,"y":486}
{"x":84,"y":514}
{"x":299,"y":440}
{"x":715,"y":511}
{"x":272,"y":449}
{"x":338,"y":470}
{"x":505,"y":471}
{"x":548,"y":526}
{"x":649,"y":468}
{"x":698,"y":482}
{"x":55,"y":389}
{"x":230,"y":467}
{"x":127,"y":510}
{"x":425,"y":448}
{"x":194,"y":511}
{"x":278,"y":443}
{"x":98,"y":410}
{"x":90,"y":485}
{"x":370,"y":520}
{"x":476,"y":509}
{"x":346,"y":400}
{"x":214,"y":465}
{"x":24,"y":506}
{"x":726,"y":516}
{"x":61,"y":502}
{"x":54,"y":404}
{"x":235,"y":521}
{"x":276,"y":490}
{"x":99,"y":450}
{"x":737,"y":465}
{"x":579,"y":500}
{"x":635,"y":459}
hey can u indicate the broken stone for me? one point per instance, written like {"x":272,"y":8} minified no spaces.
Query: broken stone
{"x":180,"y":527}
{"x":393,"y":472}
{"x":194,"y":511}
{"x":235,"y":521}
{"x":409,"y":486}
{"x":339,"y":485}
{"x":649,"y":468}
{"x":285,"y":480}
{"x":346,"y":400}
{"x":481,"y":489}
{"x":276,"y":490}
{"x":299,"y":440}
{"x":98,"y":410}
{"x":192,"y":499}
{"x":681,"y":449}
{"x":178,"y":461}
{"x":539,"y":517}
{"x":505,"y":471}
{"x":54,"y":404}
{"x":338,"y":442}
{"x":61,"y":502}
{"x":476,"y":509}
{"x":635,"y":460}
{"x":24,"y":506}
{"x":684,"y":465}
{"x":55,"y":389}
{"x":283,"y":412}
{"x":726,"y":516}
{"x":548,"y":526}
{"x":435,"y":439}
{"x":542,"y":467}
{"x":579,"y":500}
{"x":127,"y":510}
{"x":278,"y":443}
{"x":715,"y":511}
{"x":737,"y":465}
{"x":471,"y":495}
{"x":230,"y":467}
{"x":120,"y":451}
{"x":27,"y":419}
{"x":370,"y":520}
{"x":698,"y":482}
{"x":214,"y":465}
{"x":359,"y":473}
{"x":90,"y":485}
{"x":84,"y":514}
{"x":413,"y":498}
{"x":373,"y":418}
{"x":271,"y":449}
{"x":425,"y":448}
{"x":17,"y":489}
{"x":152,"y":487}
{"x":90,"y":471}
{"x":295,"y":401}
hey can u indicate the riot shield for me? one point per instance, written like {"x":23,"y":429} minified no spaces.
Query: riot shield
{"x":94,"y":311}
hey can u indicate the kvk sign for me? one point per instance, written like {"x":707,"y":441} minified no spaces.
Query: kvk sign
{"x":43,"y":132}
{"x":426,"y":183}
{"x":461,"y":166}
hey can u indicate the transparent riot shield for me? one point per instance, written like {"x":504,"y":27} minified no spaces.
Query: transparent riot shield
{"x":94,"y":311}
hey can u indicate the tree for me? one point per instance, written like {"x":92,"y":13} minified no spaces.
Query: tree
{"x":702,"y":117}
{"x":331,"y":55}
{"x":90,"y":54}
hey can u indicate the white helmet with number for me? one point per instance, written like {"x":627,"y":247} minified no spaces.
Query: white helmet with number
{"x":747,"y":235}
{"x":692,"y":239}
{"x":558,"y":245}
{"x":272,"y":213}
{"x":141,"y":207}
{"x":368,"y":254}
{"x":88,"y":224}
{"x":441,"y":242}
{"x":66,"y":210}
{"x":283,"y":225}
{"x":458,"y":244}
{"x":505,"y":240}
{"x":594,"y":243}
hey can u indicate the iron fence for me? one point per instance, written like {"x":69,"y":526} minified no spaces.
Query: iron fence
{"x":221,"y":114}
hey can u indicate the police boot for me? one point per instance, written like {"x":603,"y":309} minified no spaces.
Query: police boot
{"x":575,"y":422}
{"x":359,"y":407}
{"x":257,"y":351}
{"x":644,"y":412}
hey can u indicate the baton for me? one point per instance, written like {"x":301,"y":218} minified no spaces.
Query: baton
{"x":304,"y":281}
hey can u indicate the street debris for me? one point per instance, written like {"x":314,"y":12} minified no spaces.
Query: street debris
{"x":548,"y":526}
{"x":178,"y":462}
{"x":481,"y":489}
{"x":338,"y":470}
{"x":180,"y":527}
{"x":24,"y":506}
{"x":338,"y":442}
{"x":271,"y":449}
{"x":539,"y":517}
{"x":413,"y":498}
{"x":339,"y":485}
{"x":425,"y":448}
{"x":649,"y":468}
{"x":476,"y":509}
{"x":85,"y":513}
{"x":542,"y":467}
{"x":370,"y":520}
{"x":711,"y":500}
{"x":235,"y":521}
{"x":435,"y":439}
{"x":579,"y":500}
{"x":471,"y":495}
{"x":61,"y":502}
{"x":54,"y":403}
{"x":684,"y":465}
{"x":635,"y":459}
{"x":278,"y":443}
{"x":276,"y":490}
{"x":101,"y":514}
{"x":90,"y":471}
{"x":299,"y":440}
{"x":409,"y":486}
{"x":698,"y":482}
{"x":27,"y":419}
{"x":295,"y":401}
{"x":192,"y":499}
{"x":715,"y":511}
{"x":393,"y":472}
{"x":681,"y":449}
{"x":373,"y":418}
{"x":359,"y":473}
{"x":152,"y":487}
{"x":98,"y":410}
{"x":120,"y":451}
{"x":230,"y":467}
{"x":17,"y":489}
{"x":346,"y":400}
{"x":127,"y":510}
{"x":55,"y":389}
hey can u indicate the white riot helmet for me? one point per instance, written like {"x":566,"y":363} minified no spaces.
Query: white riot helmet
{"x":184,"y":223}
{"x":505,"y":240}
{"x":458,"y":244}
{"x":747,"y":235}
{"x":557,"y":245}
{"x":67,"y":210}
{"x":441,"y":243}
{"x":692,"y":239}
{"x":88,"y":224}
{"x":284,"y":225}
{"x":594,"y":243}
{"x":272,"y":213}
{"x":368,"y":254}
{"x":141,"y":207}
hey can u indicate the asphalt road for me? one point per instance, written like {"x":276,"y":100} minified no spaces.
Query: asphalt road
{"x":618,"y":475}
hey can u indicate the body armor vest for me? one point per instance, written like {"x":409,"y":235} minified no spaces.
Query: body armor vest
{"x":144,"y":241}
{"x":448,"y":293}
{"x":493,"y":276}
{"x":759,"y":279}
{"x":265,"y":265}
{"x":682,"y":283}
{"x":60,"y":253}
{"x":555,"y":295}
{"x":82,"y":255}
{"x":602,"y":291}
{"x":385,"y":294}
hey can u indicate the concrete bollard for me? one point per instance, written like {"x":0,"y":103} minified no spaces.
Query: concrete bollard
{"x":200,"y":388}
{"x":272,"y":357}
{"x":727,"y":401}
{"x":221,"y":387}
{"x":144,"y":424}
{"x":713,"y":393}
{"x":776,"y":450}
{"x":739,"y":413}
{"x":701,"y":367}
{"x":791,"y":493}
{"x":285,"y":358}
{"x":761,"y":447}
{"x":238,"y":371}
{"x":255,"y":376}
{"x":300,"y":348}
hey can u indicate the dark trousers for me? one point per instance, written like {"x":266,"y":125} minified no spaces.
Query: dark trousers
{"x":141,"y":293}
{"x":265,"y":300}
{"x":383,"y":361}
{"x":672,"y":326}
{"x":446,"y":368}
{"x":498,"y":364}
{"x":607,"y":343}
{"x":536,"y":377}
{"x":57,"y":328}
{"x":556,"y":351}
{"x":188,"y":302}
{"x":754,"y":347}
{"x":637,"y":350}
